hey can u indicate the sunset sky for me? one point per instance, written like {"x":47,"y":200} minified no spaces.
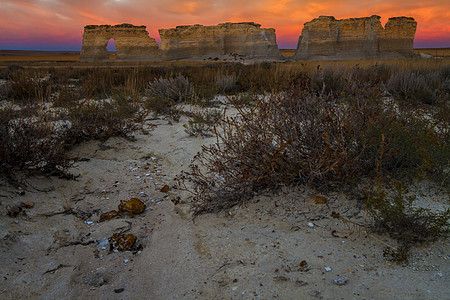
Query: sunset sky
{"x":58,"y":24}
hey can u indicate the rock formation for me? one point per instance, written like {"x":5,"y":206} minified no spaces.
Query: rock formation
{"x":322,"y":38}
{"x":226,"y":41}
{"x":356,"y":38}
{"x":132,"y":43}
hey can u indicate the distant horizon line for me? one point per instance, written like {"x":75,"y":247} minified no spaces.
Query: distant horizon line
{"x":43,"y":50}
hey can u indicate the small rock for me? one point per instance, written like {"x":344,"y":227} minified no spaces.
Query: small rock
{"x":340,"y":281}
{"x":27,"y":204}
{"x":103,"y":244}
{"x":122,"y":242}
{"x":164,"y":189}
{"x":15,"y":211}
{"x":300,"y":283}
{"x":20,"y":192}
{"x":328,"y":269}
{"x":314,"y":293}
{"x":96,"y":281}
{"x":132,"y":207}
{"x":280,"y":278}
{"x":310,"y":224}
{"x":108,"y":215}
{"x":303,"y":266}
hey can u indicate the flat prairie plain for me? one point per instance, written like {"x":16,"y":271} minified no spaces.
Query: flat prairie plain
{"x":68,"y":57}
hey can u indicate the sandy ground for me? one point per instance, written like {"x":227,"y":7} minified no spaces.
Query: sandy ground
{"x":282,"y":246}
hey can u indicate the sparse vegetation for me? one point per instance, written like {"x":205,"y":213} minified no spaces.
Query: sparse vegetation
{"x":398,"y":215}
{"x":175,"y":89}
{"x":327,"y":125}
{"x":29,"y":144}
{"x":310,"y":136}
{"x":202,"y":123}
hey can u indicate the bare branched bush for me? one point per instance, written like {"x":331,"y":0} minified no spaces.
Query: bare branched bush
{"x":27,"y":86}
{"x":6,"y":74}
{"x":29,"y":144}
{"x":328,"y":80}
{"x":408,"y":85}
{"x":300,"y":137}
{"x":90,"y":121}
{"x":176,"y":89}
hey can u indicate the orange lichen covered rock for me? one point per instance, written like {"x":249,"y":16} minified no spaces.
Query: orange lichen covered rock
{"x":108,"y":215}
{"x":132,"y":207}
{"x":122,"y":242}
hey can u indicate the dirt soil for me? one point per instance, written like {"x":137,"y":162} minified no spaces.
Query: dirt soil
{"x":283,"y":246}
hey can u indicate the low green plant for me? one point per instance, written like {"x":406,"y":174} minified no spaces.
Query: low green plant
{"x":202,"y":123}
{"x":163,"y":106}
{"x":205,"y":95}
{"x":398,"y":215}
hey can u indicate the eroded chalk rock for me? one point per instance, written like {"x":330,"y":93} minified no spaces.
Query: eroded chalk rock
{"x":132,"y":43}
{"x":226,"y":41}
{"x":356,"y":38}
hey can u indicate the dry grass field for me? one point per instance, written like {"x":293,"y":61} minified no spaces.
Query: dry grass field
{"x":434,"y":51}
{"x":70,"y":58}
{"x":13,"y":56}
{"x":288,"y":52}
{"x":38,"y":56}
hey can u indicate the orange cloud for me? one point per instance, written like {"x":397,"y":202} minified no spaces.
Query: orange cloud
{"x":61,"y":22}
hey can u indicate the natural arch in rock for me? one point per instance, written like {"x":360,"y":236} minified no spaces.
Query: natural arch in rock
{"x":132,"y":43}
